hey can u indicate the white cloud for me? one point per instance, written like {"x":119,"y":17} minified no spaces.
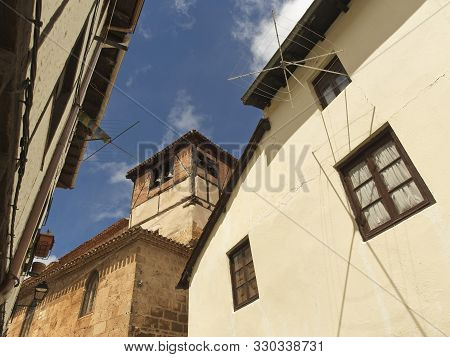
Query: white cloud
{"x":182,"y":117}
{"x":110,"y":213}
{"x":115,"y":201}
{"x":52,"y":258}
{"x":143,"y":27}
{"x":144,"y":32}
{"x":136,"y":73}
{"x":116,"y":170}
{"x":129,"y":81}
{"x":183,"y":7}
{"x":113,"y":206}
{"x":254,"y":25}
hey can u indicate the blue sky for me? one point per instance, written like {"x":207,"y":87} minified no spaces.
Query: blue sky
{"x":177,"y":67}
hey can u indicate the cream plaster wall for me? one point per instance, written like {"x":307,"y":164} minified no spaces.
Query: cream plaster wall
{"x":172,"y":214}
{"x":315,"y":274}
{"x":166,"y":212}
{"x":207,"y":191}
{"x":181,"y":223}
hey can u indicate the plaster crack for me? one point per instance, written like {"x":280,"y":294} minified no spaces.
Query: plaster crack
{"x":296,"y":188}
{"x":421,"y":92}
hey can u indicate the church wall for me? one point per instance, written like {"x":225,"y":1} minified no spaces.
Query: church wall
{"x":58,"y":314}
{"x":163,"y":313}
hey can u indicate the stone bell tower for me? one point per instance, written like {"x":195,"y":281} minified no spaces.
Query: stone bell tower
{"x":176,"y":189}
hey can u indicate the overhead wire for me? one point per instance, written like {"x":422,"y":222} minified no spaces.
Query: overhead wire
{"x":274,"y":96}
{"x":121,"y":91}
{"x":339,"y":255}
{"x":110,"y":141}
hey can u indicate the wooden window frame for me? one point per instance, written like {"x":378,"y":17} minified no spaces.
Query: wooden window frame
{"x":243,"y":244}
{"x":330,"y":66}
{"x":363,"y":153}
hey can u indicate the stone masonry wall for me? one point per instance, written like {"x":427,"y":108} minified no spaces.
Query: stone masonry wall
{"x":158,"y":309}
{"x":58,"y":314}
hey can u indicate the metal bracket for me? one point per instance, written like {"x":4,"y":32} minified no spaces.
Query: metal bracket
{"x":111,"y":43}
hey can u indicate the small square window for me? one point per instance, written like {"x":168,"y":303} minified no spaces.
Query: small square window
{"x":382,"y":184}
{"x":243,"y":278}
{"x":328,"y":85}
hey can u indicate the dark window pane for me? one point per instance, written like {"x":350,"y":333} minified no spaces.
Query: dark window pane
{"x":250,"y":271}
{"x":383,"y":185}
{"x":247,"y":256}
{"x":238,"y":261}
{"x":328,"y":85}
{"x":240,"y":277}
{"x":243,"y":278}
{"x":241,"y":295}
{"x":252,"y":288}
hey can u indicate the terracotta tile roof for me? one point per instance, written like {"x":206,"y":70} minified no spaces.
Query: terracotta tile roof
{"x":116,"y":228}
{"x":191,"y":137}
{"x":297,"y":46}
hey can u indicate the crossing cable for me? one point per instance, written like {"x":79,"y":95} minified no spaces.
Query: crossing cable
{"x":107,"y":80}
{"x":110,"y":142}
{"x":339,"y":255}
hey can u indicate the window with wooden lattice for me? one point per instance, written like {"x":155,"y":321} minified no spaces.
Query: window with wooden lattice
{"x":382,"y":184}
{"x":243,"y":278}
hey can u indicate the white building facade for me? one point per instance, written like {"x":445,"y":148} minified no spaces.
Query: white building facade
{"x":338,"y":221}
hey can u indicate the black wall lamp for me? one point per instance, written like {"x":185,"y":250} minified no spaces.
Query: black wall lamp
{"x":40,"y":292}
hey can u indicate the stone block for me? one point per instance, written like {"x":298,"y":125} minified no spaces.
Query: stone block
{"x":151,"y":322}
{"x":164,"y":325}
{"x":183,"y":318}
{"x":181,"y":298}
{"x":176,"y":327}
{"x":145,"y":334}
{"x":170,"y":315}
{"x":156,"y":311}
{"x":99,"y":328}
